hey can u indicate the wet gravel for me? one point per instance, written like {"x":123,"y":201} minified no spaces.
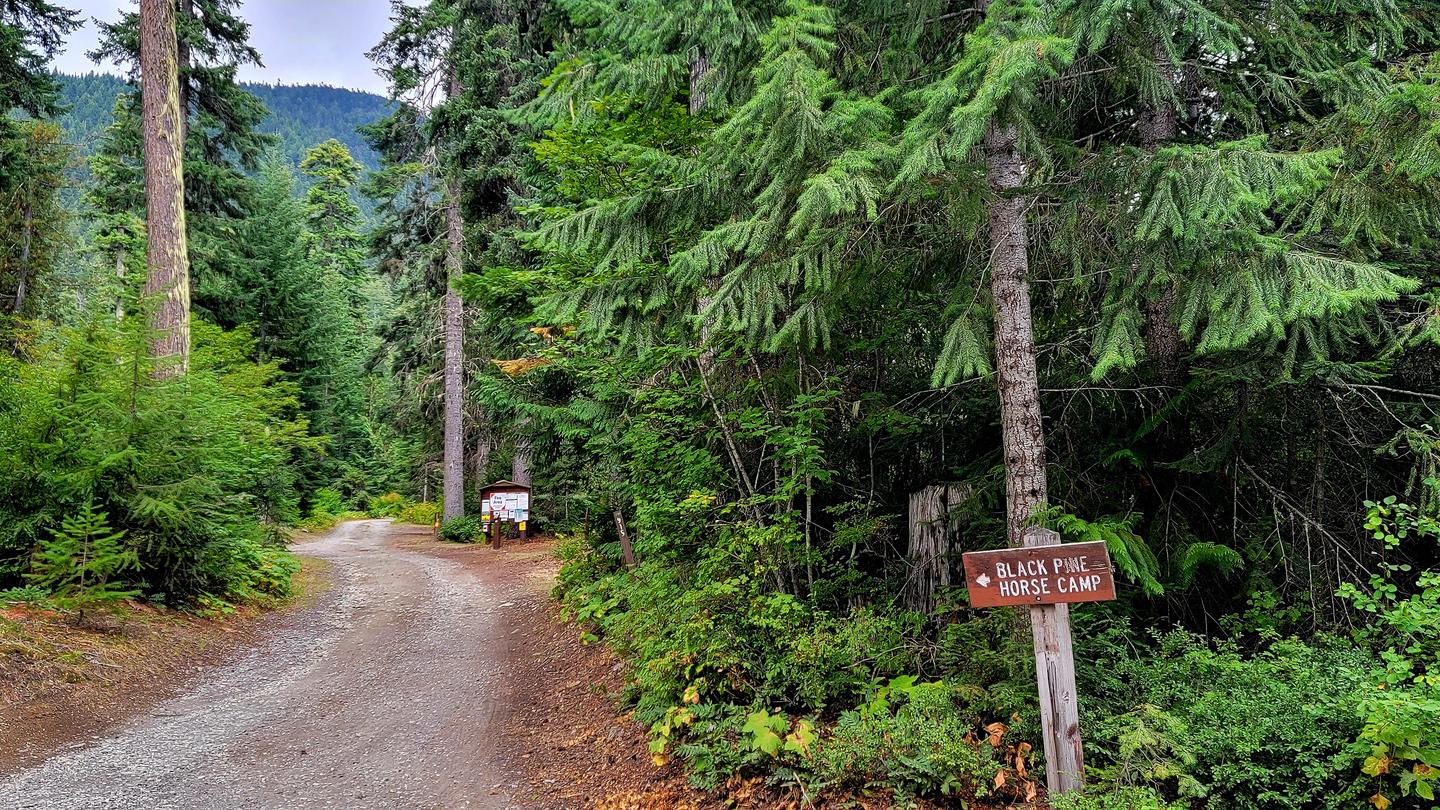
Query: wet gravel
{"x":384,"y":695}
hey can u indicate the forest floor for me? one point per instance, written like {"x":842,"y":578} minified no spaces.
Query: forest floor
{"x":412,"y":673}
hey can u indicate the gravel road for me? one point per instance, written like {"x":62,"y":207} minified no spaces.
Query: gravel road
{"x":383,"y":695}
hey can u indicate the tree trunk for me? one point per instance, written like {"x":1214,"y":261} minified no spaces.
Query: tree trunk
{"x":27,"y":235}
{"x":167,"y":287}
{"x":699,"y":70}
{"x":120,"y":274}
{"x":454,"y":460}
{"x":1022,"y":430}
{"x":524,"y":454}
{"x":480,"y":461}
{"x":932,"y":539}
{"x":1163,"y":343}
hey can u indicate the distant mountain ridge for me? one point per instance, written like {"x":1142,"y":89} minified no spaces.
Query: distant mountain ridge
{"x":301,"y":115}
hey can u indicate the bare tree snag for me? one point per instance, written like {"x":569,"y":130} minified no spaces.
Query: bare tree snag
{"x":699,"y":72}
{"x":1023,"y":432}
{"x":27,"y":235}
{"x":120,"y":293}
{"x":524,"y":454}
{"x":167,"y":287}
{"x":484,"y":444}
{"x":932,"y":541}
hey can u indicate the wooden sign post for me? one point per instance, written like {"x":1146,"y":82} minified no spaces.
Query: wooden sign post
{"x":1047,"y":575}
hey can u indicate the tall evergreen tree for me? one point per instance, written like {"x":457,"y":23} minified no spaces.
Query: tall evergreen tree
{"x":223,"y":143}
{"x":32,"y":217}
{"x":336,"y":387}
{"x":442,"y":50}
{"x":167,"y":287}
{"x":32,"y":32}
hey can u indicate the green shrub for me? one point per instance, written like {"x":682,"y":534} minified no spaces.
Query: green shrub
{"x":391,"y":504}
{"x":192,"y":469}
{"x":915,"y":738}
{"x":28,"y":594}
{"x":256,"y":572}
{"x":423,"y":513}
{"x":461,"y":530}
{"x":1271,"y":729}
{"x":1400,"y":704}
{"x":1119,"y":799}
{"x":326,"y":501}
{"x":837,"y":658}
{"x":731,"y":675}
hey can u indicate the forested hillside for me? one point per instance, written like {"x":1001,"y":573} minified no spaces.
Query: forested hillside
{"x":781,"y":307}
{"x":300,"y":115}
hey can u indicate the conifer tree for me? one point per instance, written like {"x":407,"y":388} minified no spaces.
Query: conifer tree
{"x":115,"y":198}
{"x":32,"y":32}
{"x":336,"y":388}
{"x":433,"y":52}
{"x":32,"y":218}
{"x":167,"y":286}
{"x":332,"y":217}
{"x":223,"y":146}
{"x":81,"y":564}
{"x":419,"y":56}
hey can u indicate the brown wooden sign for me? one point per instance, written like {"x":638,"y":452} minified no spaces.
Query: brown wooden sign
{"x":1039,"y":575}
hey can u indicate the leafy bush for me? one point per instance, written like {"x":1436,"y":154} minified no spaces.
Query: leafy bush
{"x":913,"y":737}
{"x":732,"y":675}
{"x":423,"y":513}
{"x":461,"y":530}
{"x":194,"y":470}
{"x":1119,"y":799}
{"x":838,"y":658}
{"x":391,"y":504}
{"x":1400,"y":705}
{"x":1269,"y":729}
{"x":326,"y":501}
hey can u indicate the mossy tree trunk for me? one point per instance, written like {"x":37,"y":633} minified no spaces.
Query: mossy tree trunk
{"x":167,"y":287}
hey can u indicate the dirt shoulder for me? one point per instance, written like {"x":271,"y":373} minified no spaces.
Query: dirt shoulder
{"x":62,"y":685}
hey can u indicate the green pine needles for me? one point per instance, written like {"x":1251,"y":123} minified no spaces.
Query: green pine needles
{"x":80,"y":566}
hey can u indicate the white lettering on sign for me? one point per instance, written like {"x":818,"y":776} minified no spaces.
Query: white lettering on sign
{"x":1029,"y":577}
{"x":1022,"y":587}
{"x":1021,"y":568}
{"x":1085,"y":584}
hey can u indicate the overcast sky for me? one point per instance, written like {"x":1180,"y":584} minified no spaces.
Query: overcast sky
{"x":300,"y":41}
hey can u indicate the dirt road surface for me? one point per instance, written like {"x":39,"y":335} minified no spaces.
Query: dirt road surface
{"x":384,"y":695}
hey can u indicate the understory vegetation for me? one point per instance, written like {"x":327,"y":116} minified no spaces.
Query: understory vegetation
{"x":741,"y":279}
{"x":780,"y":306}
{"x":118,"y":478}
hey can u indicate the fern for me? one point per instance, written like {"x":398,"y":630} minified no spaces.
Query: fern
{"x":1128,"y":551}
{"x":1201,"y":554}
